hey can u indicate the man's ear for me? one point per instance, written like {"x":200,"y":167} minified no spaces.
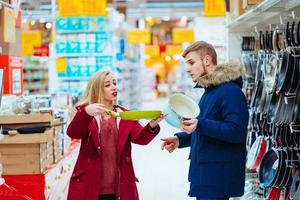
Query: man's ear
{"x":207,"y":60}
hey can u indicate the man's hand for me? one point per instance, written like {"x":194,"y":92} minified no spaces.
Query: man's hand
{"x":170,"y":144}
{"x":189,"y":125}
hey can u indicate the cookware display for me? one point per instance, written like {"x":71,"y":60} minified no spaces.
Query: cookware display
{"x":272,"y":86}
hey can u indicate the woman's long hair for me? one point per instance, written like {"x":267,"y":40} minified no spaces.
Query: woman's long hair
{"x":94,"y":92}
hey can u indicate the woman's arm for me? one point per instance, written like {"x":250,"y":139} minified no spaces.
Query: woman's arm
{"x":78,"y":127}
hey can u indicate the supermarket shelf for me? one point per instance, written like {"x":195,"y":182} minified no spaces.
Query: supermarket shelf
{"x":35,"y":68}
{"x":74,"y":78}
{"x":80,"y":31}
{"x":35,"y":79}
{"x":70,"y":55}
{"x":265,"y":13}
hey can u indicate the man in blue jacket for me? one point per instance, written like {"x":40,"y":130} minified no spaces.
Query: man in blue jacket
{"x":217,"y":137}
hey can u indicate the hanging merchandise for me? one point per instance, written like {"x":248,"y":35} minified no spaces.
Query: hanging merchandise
{"x":273,"y":140}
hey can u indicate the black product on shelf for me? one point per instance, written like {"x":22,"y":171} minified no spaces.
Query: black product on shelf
{"x":27,"y":129}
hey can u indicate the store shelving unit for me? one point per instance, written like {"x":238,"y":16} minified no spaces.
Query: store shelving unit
{"x":265,"y":13}
{"x":86,"y":46}
{"x":260,"y":17}
{"x":36,"y":75}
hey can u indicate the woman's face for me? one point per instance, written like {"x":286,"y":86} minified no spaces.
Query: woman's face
{"x":110,"y":88}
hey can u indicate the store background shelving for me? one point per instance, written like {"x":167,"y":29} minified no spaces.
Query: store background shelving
{"x":261,"y":16}
{"x":86,"y":46}
{"x":36,"y":75}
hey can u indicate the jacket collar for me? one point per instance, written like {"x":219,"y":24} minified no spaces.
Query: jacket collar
{"x":221,"y":74}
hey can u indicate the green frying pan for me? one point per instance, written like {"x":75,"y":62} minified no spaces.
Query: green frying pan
{"x":136,"y":114}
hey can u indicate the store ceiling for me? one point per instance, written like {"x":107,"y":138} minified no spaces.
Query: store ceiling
{"x":135,"y":8}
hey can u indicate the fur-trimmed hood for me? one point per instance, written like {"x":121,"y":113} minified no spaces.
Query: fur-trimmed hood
{"x":221,"y":74}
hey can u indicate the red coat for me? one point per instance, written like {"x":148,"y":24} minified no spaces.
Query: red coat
{"x":85,"y":181}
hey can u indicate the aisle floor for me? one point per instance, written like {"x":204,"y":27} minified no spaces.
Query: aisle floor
{"x":162,"y":176}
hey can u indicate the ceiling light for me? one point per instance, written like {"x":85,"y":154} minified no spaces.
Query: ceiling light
{"x":168,"y":58}
{"x":48,"y":25}
{"x":166,"y":18}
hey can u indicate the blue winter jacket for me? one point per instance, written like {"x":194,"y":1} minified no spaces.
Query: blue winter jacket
{"x":218,"y":145}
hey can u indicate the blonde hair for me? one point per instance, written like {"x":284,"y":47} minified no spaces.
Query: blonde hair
{"x":203,"y":48}
{"x":94,"y":92}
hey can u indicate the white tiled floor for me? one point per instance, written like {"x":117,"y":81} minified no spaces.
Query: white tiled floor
{"x":162,"y":176}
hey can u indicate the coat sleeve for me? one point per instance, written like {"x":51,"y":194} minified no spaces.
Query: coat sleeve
{"x":79,"y":126}
{"x":235,"y":117}
{"x":143,"y":135}
{"x":184,"y":139}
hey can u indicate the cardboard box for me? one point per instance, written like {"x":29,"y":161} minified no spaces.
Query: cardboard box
{"x":236,"y":8}
{"x":13,"y":49}
{"x":26,"y":158}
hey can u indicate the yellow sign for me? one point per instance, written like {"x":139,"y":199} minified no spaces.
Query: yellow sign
{"x":139,"y":37}
{"x":29,"y":40}
{"x":214,"y":8}
{"x":182,"y":35}
{"x":173,"y":50}
{"x":9,"y":26}
{"x":152,"y":50}
{"x":61,"y":65}
{"x":67,"y":8}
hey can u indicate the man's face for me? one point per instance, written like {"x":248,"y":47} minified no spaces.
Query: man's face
{"x":195,"y":66}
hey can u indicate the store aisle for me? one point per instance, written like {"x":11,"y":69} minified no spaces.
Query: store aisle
{"x":161,"y":175}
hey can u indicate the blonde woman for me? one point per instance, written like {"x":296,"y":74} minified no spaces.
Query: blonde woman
{"x":104,"y":168}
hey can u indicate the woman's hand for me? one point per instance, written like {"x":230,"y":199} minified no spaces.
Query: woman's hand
{"x":154,"y":122}
{"x":95,"y":109}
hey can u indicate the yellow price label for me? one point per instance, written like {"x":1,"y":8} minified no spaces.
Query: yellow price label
{"x":214,"y":8}
{"x":61,"y":65}
{"x":180,"y":36}
{"x":29,"y":40}
{"x":139,"y":37}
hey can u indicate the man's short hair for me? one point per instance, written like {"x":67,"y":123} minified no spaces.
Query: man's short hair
{"x":203,"y":48}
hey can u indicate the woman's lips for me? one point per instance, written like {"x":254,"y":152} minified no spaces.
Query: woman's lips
{"x":115,"y":94}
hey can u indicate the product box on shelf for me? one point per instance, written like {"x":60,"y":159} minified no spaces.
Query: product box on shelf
{"x":250,"y":3}
{"x":13,"y":74}
{"x":236,"y":8}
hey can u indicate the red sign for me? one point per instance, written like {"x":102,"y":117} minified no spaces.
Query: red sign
{"x":13,"y":74}
{"x":41,"y":51}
